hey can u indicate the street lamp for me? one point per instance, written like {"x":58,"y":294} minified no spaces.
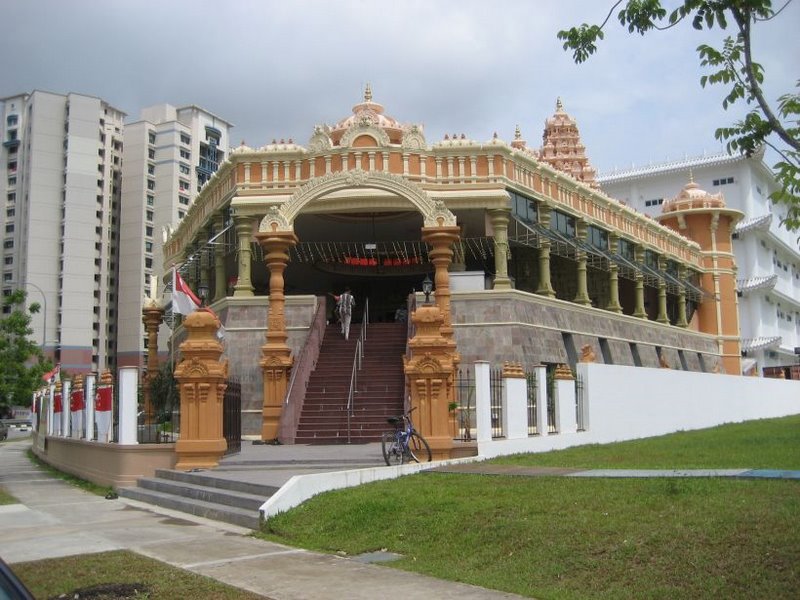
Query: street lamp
{"x":44,"y":315}
{"x":427,"y":288}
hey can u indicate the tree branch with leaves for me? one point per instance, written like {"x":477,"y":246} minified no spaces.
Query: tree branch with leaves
{"x":22,"y":363}
{"x":731,"y":65}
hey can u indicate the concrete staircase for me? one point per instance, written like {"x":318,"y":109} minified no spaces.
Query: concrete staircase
{"x":378,"y":395}
{"x":229,"y":501}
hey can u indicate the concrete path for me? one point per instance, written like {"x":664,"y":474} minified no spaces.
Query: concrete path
{"x":56,"y":519}
{"x":514,"y":470}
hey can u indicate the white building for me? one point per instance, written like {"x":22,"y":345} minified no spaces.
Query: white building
{"x":767,"y":255}
{"x":170,"y":153}
{"x":61,"y":159}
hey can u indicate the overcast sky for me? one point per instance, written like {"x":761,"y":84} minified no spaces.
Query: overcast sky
{"x":275,"y":69}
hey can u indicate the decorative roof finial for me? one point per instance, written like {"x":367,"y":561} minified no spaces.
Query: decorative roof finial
{"x":559,"y":106}
{"x":691,"y":176}
{"x":517,"y":133}
{"x":368,"y":93}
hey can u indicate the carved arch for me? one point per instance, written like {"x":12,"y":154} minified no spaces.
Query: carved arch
{"x":434,"y":213}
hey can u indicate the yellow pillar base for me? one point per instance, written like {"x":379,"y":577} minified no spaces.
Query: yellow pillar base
{"x":199,"y":454}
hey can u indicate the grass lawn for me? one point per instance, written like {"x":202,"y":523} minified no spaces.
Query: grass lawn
{"x":6,"y":498}
{"x":552,"y":537}
{"x":122,"y":574}
{"x":763,"y":444}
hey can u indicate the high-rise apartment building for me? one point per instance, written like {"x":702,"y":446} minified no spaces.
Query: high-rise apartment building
{"x":767,"y":255}
{"x":170,"y":153}
{"x":61,"y":161}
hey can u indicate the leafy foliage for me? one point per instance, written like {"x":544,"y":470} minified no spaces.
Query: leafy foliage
{"x":164,"y":394}
{"x":732,"y":66}
{"x":22,"y":363}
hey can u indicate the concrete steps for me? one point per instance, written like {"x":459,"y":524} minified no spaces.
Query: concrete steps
{"x":234,"y":502}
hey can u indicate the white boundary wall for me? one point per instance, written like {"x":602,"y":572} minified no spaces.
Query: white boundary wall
{"x":625,"y":403}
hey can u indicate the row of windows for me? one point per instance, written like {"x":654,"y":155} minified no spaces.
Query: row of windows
{"x":654,"y":202}
{"x":722,"y":181}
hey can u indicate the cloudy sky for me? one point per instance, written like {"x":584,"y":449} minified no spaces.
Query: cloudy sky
{"x":275,"y":69}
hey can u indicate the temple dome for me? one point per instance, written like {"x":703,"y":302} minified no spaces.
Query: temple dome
{"x":366,"y":114}
{"x":691,"y":196}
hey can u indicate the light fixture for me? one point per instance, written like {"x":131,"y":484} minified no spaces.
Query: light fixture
{"x":202,"y":291}
{"x":427,"y":288}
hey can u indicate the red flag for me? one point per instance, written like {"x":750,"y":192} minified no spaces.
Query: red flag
{"x":184,"y":301}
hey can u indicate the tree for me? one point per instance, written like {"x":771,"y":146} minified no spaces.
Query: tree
{"x":732,"y":65}
{"x":22,"y":363}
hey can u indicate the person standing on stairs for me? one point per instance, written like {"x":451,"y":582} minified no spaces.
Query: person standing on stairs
{"x":344,"y":306}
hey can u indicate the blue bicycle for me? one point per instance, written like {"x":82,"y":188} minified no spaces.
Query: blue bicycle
{"x":404,"y":444}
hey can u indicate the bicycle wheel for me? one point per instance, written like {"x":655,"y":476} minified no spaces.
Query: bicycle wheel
{"x":418,"y":449}
{"x":392,"y":453}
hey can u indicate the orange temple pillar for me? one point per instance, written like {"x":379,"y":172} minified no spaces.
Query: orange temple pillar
{"x":430,"y":373}
{"x":276,"y":356}
{"x":202,"y":381}
{"x":152,"y":315}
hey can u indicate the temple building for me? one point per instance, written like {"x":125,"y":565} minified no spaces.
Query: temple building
{"x":531,"y":262}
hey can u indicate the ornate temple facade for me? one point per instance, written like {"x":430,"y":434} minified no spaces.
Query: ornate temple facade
{"x":532,"y":262}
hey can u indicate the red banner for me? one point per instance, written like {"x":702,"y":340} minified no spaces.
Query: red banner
{"x":57,"y":402}
{"x":76,"y":400}
{"x":103,"y":398}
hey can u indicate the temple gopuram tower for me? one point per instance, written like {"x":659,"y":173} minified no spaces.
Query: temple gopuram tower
{"x":562,"y":148}
{"x":705,"y":218}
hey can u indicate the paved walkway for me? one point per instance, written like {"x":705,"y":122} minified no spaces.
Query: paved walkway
{"x":485,"y":469}
{"x":56,"y":519}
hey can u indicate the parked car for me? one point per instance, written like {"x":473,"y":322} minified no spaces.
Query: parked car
{"x":3,"y":430}
{"x":10,"y":585}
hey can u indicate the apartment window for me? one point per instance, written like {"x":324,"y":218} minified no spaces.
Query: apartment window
{"x":12,"y":180}
{"x":654,"y":202}
{"x":181,"y":214}
{"x":184,"y":169}
{"x":148,"y":231}
{"x":7,"y":276}
{"x":10,"y":228}
{"x":151,"y":137}
{"x":185,"y":154}
{"x":12,"y":197}
{"x":150,"y":200}
{"x":148,"y":263}
{"x":149,"y":215}
{"x":148,"y":246}
{"x":151,"y":170}
{"x":12,"y":166}
{"x":9,"y":260}
{"x":183,"y":186}
{"x":151,"y":185}
{"x":185,"y":139}
{"x":723,"y":181}
{"x":12,"y":120}
{"x":8,"y":244}
{"x":183,"y":200}
{"x":10,"y":212}
{"x":151,"y":154}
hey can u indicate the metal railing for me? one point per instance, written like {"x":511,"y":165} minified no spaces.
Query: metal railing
{"x":362,"y":338}
{"x":533,"y":390}
{"x":465,"y":403}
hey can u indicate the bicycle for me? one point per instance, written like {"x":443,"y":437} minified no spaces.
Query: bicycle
{"x":404,"y":444}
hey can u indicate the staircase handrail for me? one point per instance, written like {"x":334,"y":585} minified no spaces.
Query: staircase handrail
{"x":308,"y":357}
{"x":362,"y":337}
